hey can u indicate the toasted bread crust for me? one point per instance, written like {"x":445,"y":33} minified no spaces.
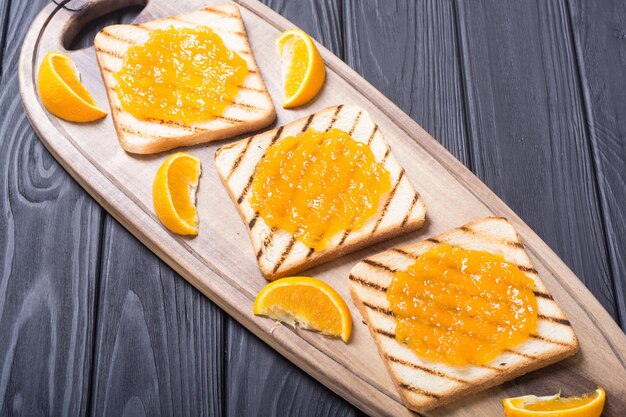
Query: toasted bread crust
{"x":278,"y":253}
{"x":424,"y":385}
{"x":251,"y":110}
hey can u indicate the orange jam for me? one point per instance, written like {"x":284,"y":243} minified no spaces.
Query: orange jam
{"x":317,"y":184}
{"x":180,"y":75}
{"x":461,"y":306}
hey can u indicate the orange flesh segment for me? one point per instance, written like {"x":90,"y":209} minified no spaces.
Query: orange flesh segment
{"x":462,"y":307}
{"x":182,"y":75}
{"x":182,"y":179}
{"x":308,"y":305}
{"x":66,"y":71}
{"x":297,"y":67}
{"x":560,"y":404}
{"x":317,"y":184}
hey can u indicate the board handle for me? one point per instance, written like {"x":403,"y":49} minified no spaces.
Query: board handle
{"x":69,"y":17}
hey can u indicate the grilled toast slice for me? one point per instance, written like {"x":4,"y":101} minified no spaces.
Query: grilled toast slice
{"x":424,"y":384}
{"x":251,"y":110}
{"x":277,"y":252}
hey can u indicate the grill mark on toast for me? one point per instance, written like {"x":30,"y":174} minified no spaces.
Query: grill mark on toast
{"x":129,"y":130}
{"x":367,"y":283}
{"x":379,"y":265}
{"x":404,"y":253}
{"x":232,"y":120}
{"x":558,"y":320}
{"x":388,"y":202}
{"x":425,"y":369}
{"x":308,"y":123}
{"x":213,"y":10}
{"x":522,"y":354}
{"x":545,"y":339}
{"x":371,"y":138}
{"x":512,"y":243}
{"x":104,"y":32}
{"x":248,"y":88}
{"x":239,"y":157}
{"x":543,"y":295}
{"x":334,"y":118}
{"x":380,"y":309}
{"x":292,"y":240}
{"x":528,"y":269}
{"x":245,"y":106}
{"x":419,"y":391}
{"x":433,"y":240}
{"x":410,"y":210}
{"x":284,"y":255}
{"x":345,"y":236}
{"x":387,"y":152}
{"x":109,"y":52}
{"x":356,"y":122}
{"x":384,"y":333}
{"x":253,"y":221}
{"x":166,"y":122}
{"x":249,"y":182}
{"x":266,"y":242}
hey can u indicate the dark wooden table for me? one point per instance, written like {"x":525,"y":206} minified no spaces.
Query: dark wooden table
{"x":530,"y":95}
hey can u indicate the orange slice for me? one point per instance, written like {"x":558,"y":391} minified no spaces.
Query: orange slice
{"x":302,"y":67}
{"x":308,"y":303}
{"x":587,"y":405}
{"x":174,"y":193}
{"x":62,"y":93}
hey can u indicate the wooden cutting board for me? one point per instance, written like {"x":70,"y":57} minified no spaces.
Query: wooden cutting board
{"x":220,"y":261}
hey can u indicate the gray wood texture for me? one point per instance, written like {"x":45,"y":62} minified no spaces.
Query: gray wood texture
{"x":530,"y":95}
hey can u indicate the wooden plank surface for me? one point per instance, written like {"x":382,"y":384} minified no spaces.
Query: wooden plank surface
{"x":49,"y":243}
{"x":408,"y":50}
{"x":527,"y":129}
{"x":600,"y":42}
{"x":13,"y":394}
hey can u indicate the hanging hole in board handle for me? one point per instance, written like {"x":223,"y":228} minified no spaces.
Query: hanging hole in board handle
{"x":78,"y":14}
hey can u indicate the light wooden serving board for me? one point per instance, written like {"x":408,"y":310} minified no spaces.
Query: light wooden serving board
{"x":220,"y":261}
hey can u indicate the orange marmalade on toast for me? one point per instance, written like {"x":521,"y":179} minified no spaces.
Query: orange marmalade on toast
{"x":315,"y":185}
{"x":184,"y":75}
{"x":462,"y":307}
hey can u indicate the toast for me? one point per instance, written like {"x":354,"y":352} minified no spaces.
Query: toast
{"x":278,"y":253}
{"x":424,"y":384}
{"x":251,"y":110}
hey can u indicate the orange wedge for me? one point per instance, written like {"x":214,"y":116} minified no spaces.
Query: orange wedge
{"x":308,"y":303}
{"x":302,"y":67}
{"x":587,"y":405}
{"x":61,"y":91}
{"x":174,"y":193}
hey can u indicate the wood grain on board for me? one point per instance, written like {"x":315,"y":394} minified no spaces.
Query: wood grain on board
{"x":137,"y":294}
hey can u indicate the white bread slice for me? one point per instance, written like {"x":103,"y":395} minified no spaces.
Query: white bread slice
{"x":277,"y":252}
{"x":251,"y":110}
{"x":424,"y":384}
